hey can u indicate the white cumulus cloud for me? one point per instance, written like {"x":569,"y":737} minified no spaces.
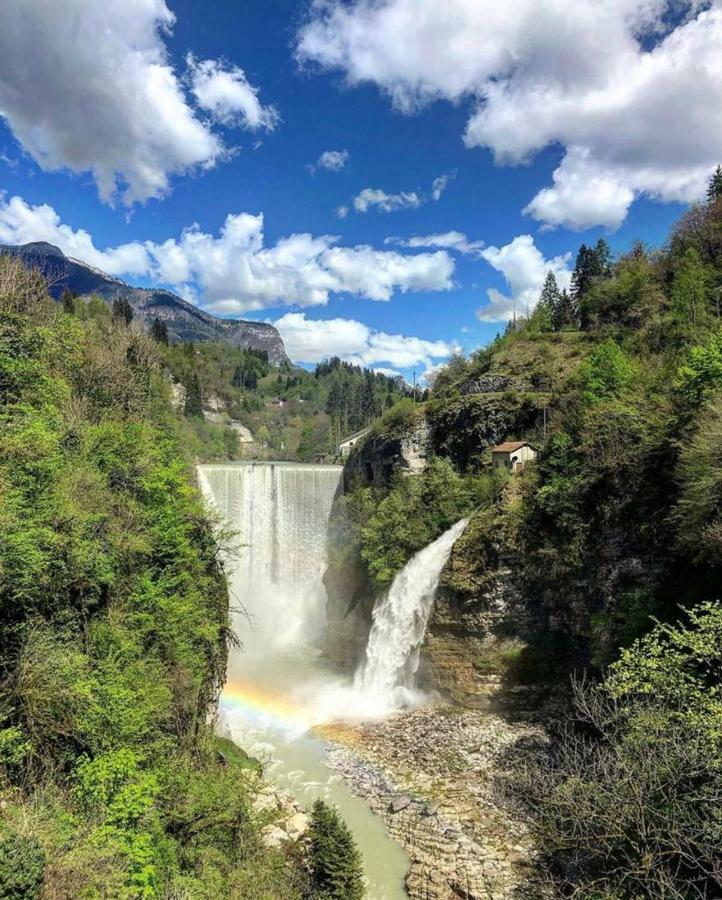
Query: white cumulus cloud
{"x":311,"y":340}
{"x":331,"y":160}
{"x":370,"y":197}
{"x":632,"y":89}
{"x":524,"y":267}
{"x":225,"y":93}
{"x":88,"y":86}
{"x":234,"y":271}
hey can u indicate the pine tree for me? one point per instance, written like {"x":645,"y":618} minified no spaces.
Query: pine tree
{"x":159,"y":331}
{"x":68,"y":300}
{"x":714,"y":191}
{"x":568,"y":311}
{"x":603,"y":259}
{"x":549,"y":304}
{"x":194,"y":398}
{"x":335,"y":860}
{"x":122,"y":310}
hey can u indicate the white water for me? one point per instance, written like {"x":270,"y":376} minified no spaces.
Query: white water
{"x":278,"y":686}
{"x":387,"y":677}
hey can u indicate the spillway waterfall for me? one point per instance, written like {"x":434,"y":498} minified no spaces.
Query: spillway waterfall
{"x":280,"y":514}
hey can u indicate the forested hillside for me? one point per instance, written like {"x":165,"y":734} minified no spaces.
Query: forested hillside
{"x":114,"y":629}
{"x":291,"y":413}
{"x":609,"y":546}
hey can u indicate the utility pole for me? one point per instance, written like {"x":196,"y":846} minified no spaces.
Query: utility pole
{"x":414,"y":385}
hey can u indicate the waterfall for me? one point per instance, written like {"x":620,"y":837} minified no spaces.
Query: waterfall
{"x":387,"y":675}
{"x":280,"y":514}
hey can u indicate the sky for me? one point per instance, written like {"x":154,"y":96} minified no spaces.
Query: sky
{"x":385,"y":180}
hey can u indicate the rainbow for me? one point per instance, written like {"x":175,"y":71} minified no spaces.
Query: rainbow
{"x":260,"y":706}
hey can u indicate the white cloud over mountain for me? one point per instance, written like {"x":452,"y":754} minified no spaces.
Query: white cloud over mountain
{"x":635,"y":101}
{"x":88,"y":87}
{"x":311,"y":340}
{"x":234,"y":271}
{"x":524,"y":267}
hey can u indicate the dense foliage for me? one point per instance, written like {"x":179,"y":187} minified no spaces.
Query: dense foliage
{"x":630,"y":804}
{"x":335,"y":863}
{"x":114,"y":613}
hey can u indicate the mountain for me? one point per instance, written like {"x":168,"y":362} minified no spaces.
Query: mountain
{"x":185,"y":322}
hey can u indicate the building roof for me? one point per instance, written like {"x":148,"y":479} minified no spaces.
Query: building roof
{"x":510,"y":446}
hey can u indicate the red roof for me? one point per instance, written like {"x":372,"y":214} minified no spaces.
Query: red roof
{"x":510,"y":446}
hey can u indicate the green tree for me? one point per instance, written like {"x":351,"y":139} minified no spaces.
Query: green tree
{"x":605,"y":372}
{"x":700,"y":376}
{"x":714,"y":190}
{"x":689,"y":291}
{"x":334,"y":859}
{"x":546,"y":315}
{"x":159,"y":331}
{"x":568,"y":312}
{"x":263,"y":436}
{"x":194,"y":397}
{"x":68,"y":300}
{"x":122,"y":310}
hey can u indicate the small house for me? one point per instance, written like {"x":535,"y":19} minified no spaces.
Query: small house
{"x":512,"y":455}
{"x":346,"y":445}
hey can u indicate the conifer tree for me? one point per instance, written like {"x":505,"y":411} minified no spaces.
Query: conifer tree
{"x":122,"y":310}
{"x":159,"y":331}
{"x":68,"y":300}
{"x":194,"y":398}
{"x":603,"y":259}
{"x":549,"y":304}
{"x":714,"y":191}
{"x":568,"y":311}
{"x":335,"y":860}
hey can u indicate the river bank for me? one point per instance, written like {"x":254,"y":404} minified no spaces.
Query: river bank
{"x":434,"y":776}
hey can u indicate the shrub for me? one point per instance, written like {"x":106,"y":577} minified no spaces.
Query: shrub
{"x":21,"y":867}
{"x":630,"y":807}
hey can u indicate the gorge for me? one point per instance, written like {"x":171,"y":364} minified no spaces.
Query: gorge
{"x":278,"y":685}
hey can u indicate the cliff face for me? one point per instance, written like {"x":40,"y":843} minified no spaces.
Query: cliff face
{"x":185,"y":322}
{"x":477,"y":648}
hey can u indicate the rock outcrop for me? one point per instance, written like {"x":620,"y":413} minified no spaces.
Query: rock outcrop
{"x":435,"y":776}
{"x":185,"y":322}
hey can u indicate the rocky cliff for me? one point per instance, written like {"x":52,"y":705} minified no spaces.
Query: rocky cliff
{"x":480,"y":644}
{"x":185,"y":322}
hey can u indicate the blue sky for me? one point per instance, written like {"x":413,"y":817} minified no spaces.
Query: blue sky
{"x":395,"y":86}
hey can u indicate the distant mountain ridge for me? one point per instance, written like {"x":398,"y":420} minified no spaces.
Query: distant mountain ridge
{"x":185,"y":322}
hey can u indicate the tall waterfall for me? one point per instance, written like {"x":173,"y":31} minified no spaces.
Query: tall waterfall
{"x":280,"y":513}
{"x":388,"y":673}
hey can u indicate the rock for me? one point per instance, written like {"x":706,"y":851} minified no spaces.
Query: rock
{"x":297,"y":825}
{"x":399,"y":803}
{"x":273,"y":836}
{"x":431,"y":809}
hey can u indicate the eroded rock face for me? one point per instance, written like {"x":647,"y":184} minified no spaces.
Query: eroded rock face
{"x":374,"y":461}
